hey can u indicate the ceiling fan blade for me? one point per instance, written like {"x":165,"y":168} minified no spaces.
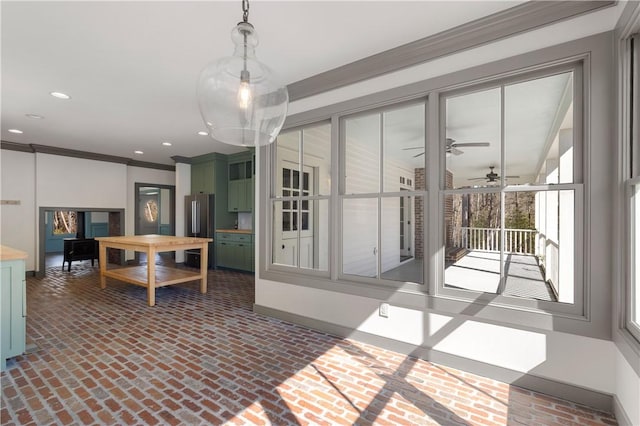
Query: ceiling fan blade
{"x":413,"y":147}
{"x":470,"y":144}
{"x":478,"y":178}
{"x":418,"y":155}
{"x":512,"y":177}
{"x":455,"y":151}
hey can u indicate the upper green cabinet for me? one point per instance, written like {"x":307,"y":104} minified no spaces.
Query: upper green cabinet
{"x":203,"y":178}
{"x":241,"y":186}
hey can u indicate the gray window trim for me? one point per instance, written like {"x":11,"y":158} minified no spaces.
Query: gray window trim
{"x":633,"y":270}
{"x":597,"y":325}
{"x":627,"y":333}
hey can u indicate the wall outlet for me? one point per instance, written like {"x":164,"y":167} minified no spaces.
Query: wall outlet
{"x":384,"y":310}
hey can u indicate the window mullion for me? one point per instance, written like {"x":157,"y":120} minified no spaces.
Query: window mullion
{"x":299,"y":201}
{"x":503,"y":178}
{"x":380,"y":190}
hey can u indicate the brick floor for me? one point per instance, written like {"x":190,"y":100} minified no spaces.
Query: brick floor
{"x":105,"y":357}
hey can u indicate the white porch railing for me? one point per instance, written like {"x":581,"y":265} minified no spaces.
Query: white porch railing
{"x":488,"y":239}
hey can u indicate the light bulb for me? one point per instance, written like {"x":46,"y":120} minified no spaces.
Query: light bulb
{"x":244,"y":95}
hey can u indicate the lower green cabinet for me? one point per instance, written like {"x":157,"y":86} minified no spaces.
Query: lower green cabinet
{"x":234,"y":251}
{"x":13,"y":310}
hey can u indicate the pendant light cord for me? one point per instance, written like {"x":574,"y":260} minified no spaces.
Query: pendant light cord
{"x":244,"y":75}
{"x":245,"y":11}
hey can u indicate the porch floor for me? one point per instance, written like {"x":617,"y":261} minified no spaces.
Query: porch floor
{"x":480,"y":271}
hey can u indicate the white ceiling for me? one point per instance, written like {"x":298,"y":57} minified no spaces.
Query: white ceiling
{"x":131,"y":67}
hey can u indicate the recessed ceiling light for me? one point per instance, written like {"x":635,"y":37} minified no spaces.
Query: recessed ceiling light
{"x":15,"y":131}
{"x":203,"y":133}
{"x":166,"y":143}
{"x":138,"y":152}
{"x":35,"y":116}
{"x":60,"y":95}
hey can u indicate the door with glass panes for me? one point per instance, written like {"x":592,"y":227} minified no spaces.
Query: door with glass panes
{"x":294,"y":217}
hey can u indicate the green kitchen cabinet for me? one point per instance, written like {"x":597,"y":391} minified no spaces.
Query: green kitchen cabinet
{"x":241,"y":185}
{"x":209,"y":176}
{"x":203,"y":178}
{"x":235,"y":251}
{"x":13,"y":309}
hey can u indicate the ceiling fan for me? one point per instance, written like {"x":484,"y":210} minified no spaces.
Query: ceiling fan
{"x":452,"y":147}
{"x":492,"y":176}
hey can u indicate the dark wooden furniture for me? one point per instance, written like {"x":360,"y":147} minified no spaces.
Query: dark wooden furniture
{"x":79,"y":249}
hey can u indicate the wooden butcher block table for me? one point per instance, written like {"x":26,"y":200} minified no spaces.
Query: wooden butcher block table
{"x":152,"y":275}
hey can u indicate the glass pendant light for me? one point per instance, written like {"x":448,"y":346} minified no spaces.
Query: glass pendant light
{"x":241,"y":101}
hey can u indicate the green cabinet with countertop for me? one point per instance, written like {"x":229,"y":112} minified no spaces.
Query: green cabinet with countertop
{"x":13,"y":304}
{"x":234,"y":250}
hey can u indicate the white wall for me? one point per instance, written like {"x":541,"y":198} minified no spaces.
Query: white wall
{"x":572,"y":359}
{"x":627,"y":389}
{"x":18,"y":222}
{"x":542,"y":353}
{"x":74,"y":182}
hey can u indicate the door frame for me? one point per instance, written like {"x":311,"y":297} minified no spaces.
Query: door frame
{"x":172,"y":207}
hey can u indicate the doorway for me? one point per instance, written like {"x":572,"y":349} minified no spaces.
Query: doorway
{"x":155,"y":209}
{"x":97,"y":222}
{"x":154,"y":213}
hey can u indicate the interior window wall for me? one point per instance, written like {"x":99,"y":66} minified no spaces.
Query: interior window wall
{"x":510,"y":185}
{"x":504,"y":158}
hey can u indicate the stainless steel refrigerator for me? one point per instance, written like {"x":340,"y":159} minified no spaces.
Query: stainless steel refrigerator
{"x":200,"y":222}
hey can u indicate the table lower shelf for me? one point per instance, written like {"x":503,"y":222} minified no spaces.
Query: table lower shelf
{"x":164,"y":276}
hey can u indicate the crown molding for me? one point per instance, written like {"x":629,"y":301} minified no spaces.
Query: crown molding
{"x":518,"y":19}
{"x":85,"y":155}
{"x":181,"y":159}
{"x":629,"y":22}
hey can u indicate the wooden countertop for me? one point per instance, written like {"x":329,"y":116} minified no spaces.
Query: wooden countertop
{"x":236,"y":231}
{"x":8,"y":253}
{"x":153,"y":240}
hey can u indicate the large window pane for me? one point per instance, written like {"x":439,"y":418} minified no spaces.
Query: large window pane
{"x":314,"y":234}
{"x":472,"y":241}
{"x":360,"y":237}
{"x":472,"y":142}
{"x":316,"y":148}
{"x":288,"y":164}
{"x":362,"y":149}
{"x":401,"y":226}
{"x":404,"y":149}
{"x":539,"y":245}
{"x":539,"y":130}
{"x":285,"y":235}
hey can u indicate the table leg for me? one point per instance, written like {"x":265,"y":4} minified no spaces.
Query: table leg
{"x":204,"y":263}
{"x":151,"y":276}
{"x":103,"y":264}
